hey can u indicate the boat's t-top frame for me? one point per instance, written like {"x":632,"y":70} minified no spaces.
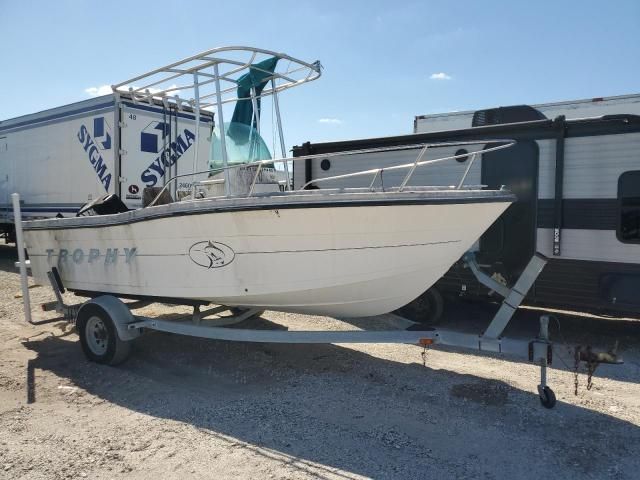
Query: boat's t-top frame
{"x":245,"y":74}
{"x":215,"y":77}
{"x":212,"y":77}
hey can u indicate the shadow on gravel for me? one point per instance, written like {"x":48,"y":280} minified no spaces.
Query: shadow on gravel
{"x":564,"y":328}
{"x":8,"y":256}
{"x":306,"y":405}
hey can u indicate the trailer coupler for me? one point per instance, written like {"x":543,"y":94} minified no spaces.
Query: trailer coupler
{"x":589,"y":356}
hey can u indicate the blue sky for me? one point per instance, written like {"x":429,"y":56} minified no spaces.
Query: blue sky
{"x":385,"y":62}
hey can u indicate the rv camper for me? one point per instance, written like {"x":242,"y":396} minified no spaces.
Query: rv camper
{"x":578,"y":188}
{"x":62,"y":158}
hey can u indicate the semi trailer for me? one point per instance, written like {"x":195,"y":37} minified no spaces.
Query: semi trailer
{"x":62,"y":158}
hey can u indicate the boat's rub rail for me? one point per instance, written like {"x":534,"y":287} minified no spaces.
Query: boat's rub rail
{"x":282,"y":201}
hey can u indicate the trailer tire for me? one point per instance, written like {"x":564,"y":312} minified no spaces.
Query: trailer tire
{"x":426,"y":309}
{"x":99,"y":337}
{"x":547,"y":398}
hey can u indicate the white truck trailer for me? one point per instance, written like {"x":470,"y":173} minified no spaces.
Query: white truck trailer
{"x":62,"y":158}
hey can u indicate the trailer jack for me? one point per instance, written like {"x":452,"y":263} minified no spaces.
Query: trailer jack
{"x":540,"y":350}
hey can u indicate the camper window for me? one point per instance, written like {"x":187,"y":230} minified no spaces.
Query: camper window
{"x":629,"y":198}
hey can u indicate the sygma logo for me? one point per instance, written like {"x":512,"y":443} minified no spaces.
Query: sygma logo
{"x":101,"y":137}
{"x":152,"y":141}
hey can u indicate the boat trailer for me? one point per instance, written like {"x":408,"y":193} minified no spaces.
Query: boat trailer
{"x":107,"y":326}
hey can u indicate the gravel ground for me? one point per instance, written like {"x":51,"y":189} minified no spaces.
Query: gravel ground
{"x":190,"y":408}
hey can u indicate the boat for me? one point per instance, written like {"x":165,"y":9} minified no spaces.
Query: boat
{"x":236,"y":235}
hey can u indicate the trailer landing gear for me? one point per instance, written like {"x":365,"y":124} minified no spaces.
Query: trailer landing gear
{"x":547,"y":397}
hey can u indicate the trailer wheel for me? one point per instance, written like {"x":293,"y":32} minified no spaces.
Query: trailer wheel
{"x":426,"y":309}
{"x":547,"y":398}
{"x":99,"y":338}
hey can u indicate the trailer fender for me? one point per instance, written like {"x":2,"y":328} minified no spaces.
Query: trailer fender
{"x":119,"y":313}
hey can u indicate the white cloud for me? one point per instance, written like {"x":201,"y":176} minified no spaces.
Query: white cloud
{"x":97,"y":91}
{"x":440,"y":76}
{"x":332,"y":121}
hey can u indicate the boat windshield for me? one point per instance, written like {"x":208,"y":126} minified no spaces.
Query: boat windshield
{"x":242,"y":140}
{"x":243,"y":144}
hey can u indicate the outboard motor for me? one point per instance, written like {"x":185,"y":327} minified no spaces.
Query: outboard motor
{"x":105,"y":205}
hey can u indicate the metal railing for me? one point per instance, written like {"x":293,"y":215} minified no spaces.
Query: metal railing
{"x":419,"y":162}
{"x":424,"y":147}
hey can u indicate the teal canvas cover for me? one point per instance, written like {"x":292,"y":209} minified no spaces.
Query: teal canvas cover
{"x":243,"y":143}
{"x":256,"y":78}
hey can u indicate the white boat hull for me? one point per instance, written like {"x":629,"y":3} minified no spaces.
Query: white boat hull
{"x":345,"y":261}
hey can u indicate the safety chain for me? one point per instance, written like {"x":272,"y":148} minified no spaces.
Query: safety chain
{"x":591,"y":368}
{"x":425,"y":351}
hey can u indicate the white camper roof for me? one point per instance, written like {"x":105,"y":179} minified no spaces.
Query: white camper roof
{"x":582,"y":108}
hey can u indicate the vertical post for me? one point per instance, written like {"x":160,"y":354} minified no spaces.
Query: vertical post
{"x":559,"y":186}
{"x":543,"y":373}
{"x":196,"y":88}
{"x":466,"y":172}
{"x":256,"y":113}
{"x":283,"y":149}
{"x":165,"y":178}
{"x":255,"y":116}
{"x":255,"y":178}
{"x":117,"y":145}
{"x":412,"y":169}
{"x":173,"y":136}
{"x":223,"y":146}
{"x":17,"y":218}
{"x":543,"y":335}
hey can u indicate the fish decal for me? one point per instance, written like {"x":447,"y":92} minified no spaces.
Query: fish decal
{"x":210,"y":254}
